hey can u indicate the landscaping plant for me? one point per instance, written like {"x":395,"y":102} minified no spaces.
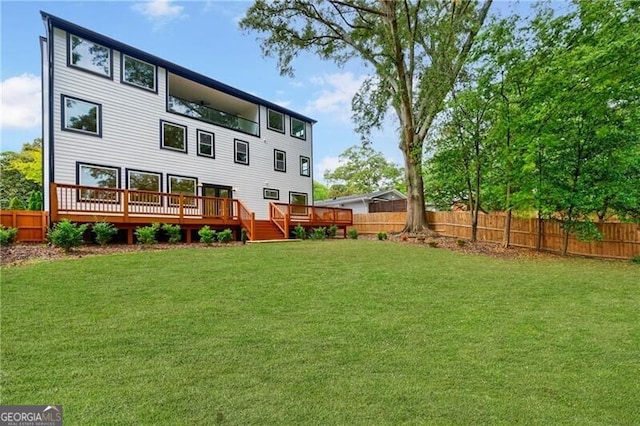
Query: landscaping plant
{"x":207,"y":235}
{"x":225,"y":236}
{"x":146,"y":235}
{"x":104,"y":232}
{"x":173,"y":231}
{"x":353,"y":233}
{"x":299,"y":232}
{"x":382,"y":236}
{"x":7,"y":235}
{"x":67,"y":235}
{"x":318,"y":233}
{"x":332,"y":231}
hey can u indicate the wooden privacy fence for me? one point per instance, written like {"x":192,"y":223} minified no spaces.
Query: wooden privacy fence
{"x":620,"y":240}
{"x":32,"y":226}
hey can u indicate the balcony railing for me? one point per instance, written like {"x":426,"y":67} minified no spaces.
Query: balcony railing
{"x":212,"y":115}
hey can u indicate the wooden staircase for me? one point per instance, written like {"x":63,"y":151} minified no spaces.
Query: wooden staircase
{"x":267,"y":230}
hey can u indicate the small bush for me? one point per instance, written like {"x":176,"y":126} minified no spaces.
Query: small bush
{"x":147,"y":234}
{"x":173,"y":231}
{"x":332,"y":231}
{"x":16,"y":204}
{"x":225,"y":236}
{"x":66,"y":234}
{"x":460,"y":242}
{"x":7,"y":235}
{"x":382,"y":236}
{"x":353,"y":233}
{"x":207,"y":235}
{"x":318,"y":233}
{"x":433,"y":244}
{"x":35,"y":201}
{"x":636,"y":260}
{"x":104,"y":232}
{"x":300,"y":232}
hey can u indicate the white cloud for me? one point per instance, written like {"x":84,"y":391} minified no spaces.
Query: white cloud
{"x":159,"y":11}
{"x":326,"y":164}
{"x":21,"y":102}
{"x":336,"y":94}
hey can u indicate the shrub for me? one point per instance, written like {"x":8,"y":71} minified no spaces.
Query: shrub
{"x":636,"y":260}
{"x":147,"y":234}
{"x":353,"y":233}
{"x":7,"y":235}
{"x":35,"y":201}
{"x":318,"y":233}
{"x":300,"y":232}
{"x":66,"y":234}
{"x":173,"y":231}
{"x":16,"y":204}
{"x":382,"y":236}
{"x":225,"y":236}
{"x":460,"y":242}
{"x":207,"y":235}
{"x":104,"y":232}
{"x":332,"y":231}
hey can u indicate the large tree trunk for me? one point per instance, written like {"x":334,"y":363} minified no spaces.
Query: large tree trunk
{"x":416,"y":218}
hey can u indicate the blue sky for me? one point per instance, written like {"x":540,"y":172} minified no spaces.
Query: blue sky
{"x":200,"y":35}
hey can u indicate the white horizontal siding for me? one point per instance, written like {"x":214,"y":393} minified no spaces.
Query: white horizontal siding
{"x":131,"y":138}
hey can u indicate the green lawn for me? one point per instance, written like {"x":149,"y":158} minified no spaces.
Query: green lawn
{"x":334,"y":332}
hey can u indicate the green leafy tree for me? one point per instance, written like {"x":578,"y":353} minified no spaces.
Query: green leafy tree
{"x":415,"y":49}
{"x":320,"y":191}
{"x":21,"y":173}
{"x":364,"y":170}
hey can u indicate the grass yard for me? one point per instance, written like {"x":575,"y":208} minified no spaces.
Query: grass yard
{"x":334,"y":332}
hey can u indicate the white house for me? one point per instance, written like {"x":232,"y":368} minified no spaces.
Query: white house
{"x":118,"y":118}
{"x":362,"y":203}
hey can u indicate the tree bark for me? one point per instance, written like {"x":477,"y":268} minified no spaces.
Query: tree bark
{"x":416,"y":218}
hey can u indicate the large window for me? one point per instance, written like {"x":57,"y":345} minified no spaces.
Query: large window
{"x":90,"y":56}
{"x":206,"y":144}
{"x":173,"y":136}
{"x":182,"y":185}
{"x":138,"y":180}
{"x":98,"y":177}
{"x":275,"y":121}
{"x":81,"y":116}
{"x":298,"y":128}
{"x":299,"y":201}
{"x":279,"y":161}
{"x":241,"y":152}
{"x":271,"y":194}
{"x":305,"y":166}
{"x":138,"y":73}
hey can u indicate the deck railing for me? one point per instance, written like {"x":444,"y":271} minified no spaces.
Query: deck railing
{"x":127,"y":203}
{"x":280,"y":218}
{"x":312,"y":214}
{"x":212,"y":115}
{"x":247,"y":220}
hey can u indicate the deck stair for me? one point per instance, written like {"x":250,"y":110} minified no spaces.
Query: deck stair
{"x":267,"y":230}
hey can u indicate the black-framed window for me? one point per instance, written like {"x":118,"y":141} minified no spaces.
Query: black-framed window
{"x":279,"y":161}
{"x":98,"y":176}
{"x":183,"y":185}
{"x":206,"y":144}
{"x":89,"y":56}
{"x":173,"y":136}
{"x":305,"y":166}
{"x":298,"y":129}
{"x":79,"y":115}
{"x":138,"y":73}
{"x":270,"y":194}
{"x":241,"y":152}
{"x":140,"y":180}
{"x":300,"y":201}
{"x":275,"y":120}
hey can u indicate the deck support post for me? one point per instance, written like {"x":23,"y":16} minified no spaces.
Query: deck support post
{"x":130,"y":236}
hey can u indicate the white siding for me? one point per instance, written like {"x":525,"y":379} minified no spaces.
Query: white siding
{"x":131,"y":138}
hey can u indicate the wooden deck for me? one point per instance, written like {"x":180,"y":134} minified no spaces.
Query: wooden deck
{"x":128,"y":209}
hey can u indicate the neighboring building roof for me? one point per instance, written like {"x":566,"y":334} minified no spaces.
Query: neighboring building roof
{"x":169,"y":66}
{"x":372,"y":196}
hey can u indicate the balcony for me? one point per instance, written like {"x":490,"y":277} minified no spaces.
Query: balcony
{"x":207,"y":114}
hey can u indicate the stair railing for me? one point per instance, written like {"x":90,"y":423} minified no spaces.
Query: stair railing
{"x":247,"y":220}
{"x":279,"y":218}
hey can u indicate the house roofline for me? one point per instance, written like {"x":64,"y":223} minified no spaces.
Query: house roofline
{"x":169,"y":66}
{"x":361,"y":197}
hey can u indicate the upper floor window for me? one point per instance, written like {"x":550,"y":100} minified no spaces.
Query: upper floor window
{"x":279,"y":161}
{"x":138,"y":73}
{"x":173,"y":136}
{"x":206,"y":144}
{"x":241,"y":152}
{"x":81,"y":116}
{"x":275,"y":120}
{"x":298,"y":128}
{"x":305,"y":166}
{"x":90,"y":56}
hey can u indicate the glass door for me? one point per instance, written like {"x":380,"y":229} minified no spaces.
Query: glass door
{"x":221,"y":206}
